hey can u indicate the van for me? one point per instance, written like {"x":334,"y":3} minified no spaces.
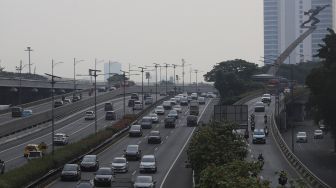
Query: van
{"x":137,"y":105}
{"x":108,"y":106}
{"x":135,"y":96}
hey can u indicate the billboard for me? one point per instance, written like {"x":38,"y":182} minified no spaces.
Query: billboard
{"x":233,"y":113}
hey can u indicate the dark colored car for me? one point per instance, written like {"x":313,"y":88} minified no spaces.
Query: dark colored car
{"x":71,"y":172}
{"x":146,"y":122}
{"x":192,"y":121}
{"x":131,"y":103}
{"x":154,"y":137}
{"x":89,"y":163}
{"x":110,"y":115}
{"x":108,"y":106}
{"x":132,"y":152}
{"x":76,"y":98}
{"x":135,"y":130}
{"x":146,"y":95}
{"x":17,"y":111}
{"x":85,"y":184}
{"x":58,"y":104}
{"x":103,"y":177}
{"x":169,"y":122}
{"x":135,"y":96}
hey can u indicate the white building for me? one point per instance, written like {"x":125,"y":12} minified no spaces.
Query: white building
{"x":111,"y":67}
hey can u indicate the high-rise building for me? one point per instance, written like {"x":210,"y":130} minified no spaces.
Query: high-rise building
{"x":282,"y":25}
{"x":111,"y":67}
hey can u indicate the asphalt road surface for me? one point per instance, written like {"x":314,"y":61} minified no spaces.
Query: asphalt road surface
{"x":167,"y":153}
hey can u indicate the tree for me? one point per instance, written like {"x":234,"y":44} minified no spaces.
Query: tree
{"x":322,"y":81}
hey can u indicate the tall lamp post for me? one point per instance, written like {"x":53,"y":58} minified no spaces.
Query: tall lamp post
{"x":124,"y":77}
{"x":166,"y":65}
{"x":75,"y":62}
{"x":52,"y":103}
{"x":196,"y":71}
{"x":93,"y":72}
{"x":142,"y":93}
{"x":156,"y":93}
{"x":174,"y":67}
{"x":19,"y":68}
{"x":29,"y":49}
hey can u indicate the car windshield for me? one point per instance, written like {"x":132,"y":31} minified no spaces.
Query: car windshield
{"x":144,"y":179}
{"x":35,"y":154}
{"x":104,"y":171}
{"x":88,"y":159}
{"x":89,"y":113}
{"x":301,"y":134}
{"x":318,"y":131}
{"x":135,"y":128}
{"x":147,"y":119}
{"x":173,"y":112}
{"x":154,"y":133}
{"x":177,"y":106}
{"x":159,"y":107}
{"x":119,"y":160}
{"x":148,"y":159}
{"x":259,"y":133}
{"x":58,"y":136}
{"x":132,"y":148}
{"x":70,"y":167}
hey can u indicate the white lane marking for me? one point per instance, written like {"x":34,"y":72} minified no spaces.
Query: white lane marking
{"x":166,"y":137}
{"x":139,"y":142}
{"x":185,"y":144}
{"x":133,"y":172}
{"x":156,"y":149}
{"x":30,"y":141}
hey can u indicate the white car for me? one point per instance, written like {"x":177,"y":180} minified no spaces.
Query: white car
{"x":194,"y":96}
{"x":177,"y":108}
{"x":301,"y":137}
{"x":90,"y":115}
{"x":159,"y":110}
{"x":318,"y":134}
{"x":154,"y":117}
{"x":137,"y":105}
{"x":201,"y":100}
{"x":61,"y":139}
{"x":266,"y":98}
{"x":173,"y":113}
{"x":173,"y":101}
{"x":120,"y":164}
{"x":148,"y":164}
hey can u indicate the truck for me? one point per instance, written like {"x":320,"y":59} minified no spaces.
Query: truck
{"x":194,"y":108}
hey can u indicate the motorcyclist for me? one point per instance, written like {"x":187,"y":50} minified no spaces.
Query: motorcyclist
{"x":282,"y":178}
{"x":266,"y":130}
{"x":260,"y":157}
{"x":252,"y":117}
{"x":265,"y":118}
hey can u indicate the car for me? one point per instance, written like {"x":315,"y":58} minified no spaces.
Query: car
{"x":154,"y":137}
{"x":146,"y":122}
{"x":162,"y":94}
{"x":193,"y":96}
{"x":178,"y":108}
{"x":149,"y":100}
{"x":27,"y":112}
{"x":144,"y":182}
{"x":169,"y":122}
{"x":29,"y":148}
{"x":201,"y":100}
{"x":85,"y":184}
{"x":67,"y":101}
{"x":137,"y":105}
{"x":203,"y":94}
{"x":112,"y":88}
{"x":120,"y":164}
{"x":71,"y":172}
{"x":259,"y":107}
{"x":146,"y":95}
{"x":301,"y":137}
{"x":210,"y":95}
{"x":322,"y":125}
{"x":34,"y":155}
{"x":173,"y":113}
{"x":76,"y":98}
{"x":155,"y":118}
{"x":259,"y":136}
{"x":61,"y":139}
{"x":189,"y":98}
{"x":110,"y":115}
{"x":286,"y":90}
{"x":184,"y":101}
{"x":178,"y":98}
{"x":58,"y":103}
{"x":132,"y":152}
{"x":148,"y":164}
{"x":318,"y":134}
{"x":90,"y":115}
{"x":89,"y":163}
{"x":103,"y":177}
{"x":173,"y":101}
{"x":191,"y":120}
{"x":135,"y":130}
{"x":159,"y":110}
{"x":167,"y":105}
{"x":266,"y":98}
{"x":135,"y":96}
{"x":16,"y":111}
{"x":108,"y":106}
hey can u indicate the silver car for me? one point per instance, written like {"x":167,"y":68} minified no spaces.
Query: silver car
{"x":120,"y":164}
{"x":148,"y":164}
{"x":144,"y":182}
{"x":301,"y":137}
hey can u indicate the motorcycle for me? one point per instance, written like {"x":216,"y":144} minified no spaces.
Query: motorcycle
{"x":265,"y":119}
{"x":261,"y":161}
{"x":266,"y":131}
{"x":2,"y":166}
{"x":252,"y":126}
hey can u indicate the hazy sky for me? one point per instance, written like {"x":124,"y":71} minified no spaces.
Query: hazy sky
{"x":140,"y":32}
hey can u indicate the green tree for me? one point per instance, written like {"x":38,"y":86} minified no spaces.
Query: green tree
{"x":322,"y":81}
{"x":236,"y":174}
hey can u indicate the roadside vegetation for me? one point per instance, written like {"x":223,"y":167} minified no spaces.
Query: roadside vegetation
{"x":217,"y":156}
{"x":22,"y":176}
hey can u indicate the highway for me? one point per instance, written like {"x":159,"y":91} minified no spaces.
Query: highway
{"x":173,"y":142}
{"x":273,"y":158}
{"x":74,"y":125}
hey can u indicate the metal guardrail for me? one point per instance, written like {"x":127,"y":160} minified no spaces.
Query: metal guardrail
{"x":308,"y":176}
{"x":54,"y":172}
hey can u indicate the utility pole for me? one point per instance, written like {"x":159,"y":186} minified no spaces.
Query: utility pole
{"x":74,"y":80}
{"x":20,"y":87}
{"x":156,"y":93}
{"x":94,"y":71}
{"x":183,"y":63}
{"x":174,"y":79}
{"x":196,"y":80}
{"x":142,"y":93}
{"x":291,"y":103}
{"x":29,"y":49}
{"x":124,"y":75}
{"x":52,"y":103}
{"x":190,"y":71}
{"x":166,"y":65}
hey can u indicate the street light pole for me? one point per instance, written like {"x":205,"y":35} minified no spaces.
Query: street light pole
{"x":124,"y":75}
{"x":29,"y":49}
{"x":95,"y":91}
{"x":174,"y":79}
{"x":196,"y":80}
{"x":156,"y":93}
{"x":20,"y":78}
{"x":183,"y":63}
{"x":74,"y":80}
{"x":142,"y":93}
{"x":166,"y":65}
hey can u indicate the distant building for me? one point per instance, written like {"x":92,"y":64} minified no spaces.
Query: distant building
{"x":112,"y":67}
{"x":282,"y":21}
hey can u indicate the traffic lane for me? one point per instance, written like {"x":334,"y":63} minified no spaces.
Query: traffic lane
{"x":273,"y":158}
{"x":14,"y":156}
{"x":117,"y":150}
{"x":180,"y":176}
{"x":317,"y":154}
